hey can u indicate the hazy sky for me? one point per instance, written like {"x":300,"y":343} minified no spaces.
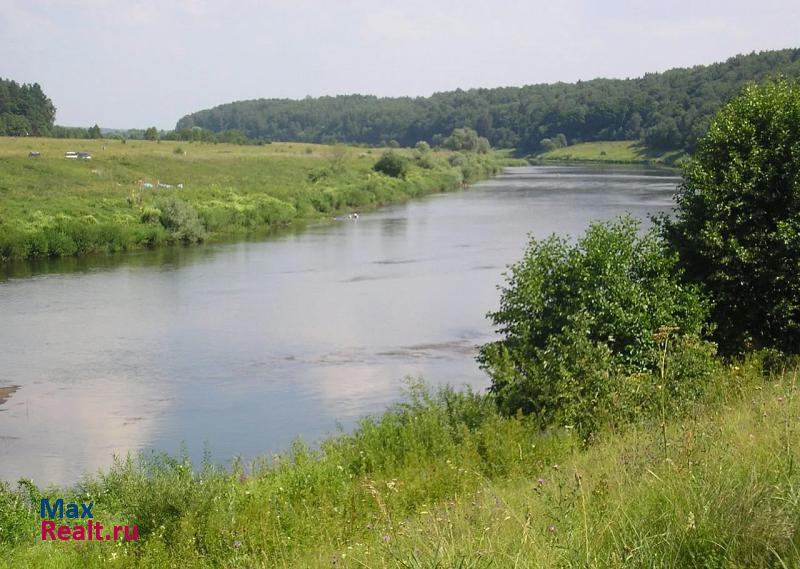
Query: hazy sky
{"x":135,"y":63}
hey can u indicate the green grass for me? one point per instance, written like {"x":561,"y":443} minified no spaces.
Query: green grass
{"x":619,"y":151}
{"x":52,"y":207}
{"x":444,"y":481}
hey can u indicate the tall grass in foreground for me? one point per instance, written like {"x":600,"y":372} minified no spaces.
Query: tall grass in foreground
{"x":443,"y":480}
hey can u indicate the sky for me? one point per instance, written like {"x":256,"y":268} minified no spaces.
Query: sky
{"x":139,"y":63}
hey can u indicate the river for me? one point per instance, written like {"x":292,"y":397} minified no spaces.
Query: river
{"x":235,"y":349}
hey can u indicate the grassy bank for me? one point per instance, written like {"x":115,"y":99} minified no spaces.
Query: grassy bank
{"x":52,"y":207}
{"x":617,"y":151}
{"x":445,"y":481}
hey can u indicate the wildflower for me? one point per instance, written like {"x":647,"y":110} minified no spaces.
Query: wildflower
{"x":540,"y":482}
{"x":555,"y":467}
{"x":387,"y":538}
{"x":334,"y":560}
{"x":552,"y":529}
{"x":237,"y":544}
{"x":690,"y":523}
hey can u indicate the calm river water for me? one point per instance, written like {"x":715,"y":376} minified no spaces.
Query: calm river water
{"x":236,"y":349}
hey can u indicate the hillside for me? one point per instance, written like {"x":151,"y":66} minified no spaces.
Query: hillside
{"x":128,"y":195}
{"x":667,"y":110}
{"x":616,"y":151}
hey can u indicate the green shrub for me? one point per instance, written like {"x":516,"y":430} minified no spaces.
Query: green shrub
{"x":14,"y":516}
{"x":737,"y":226}
{"x":392,"y":164}
{"x":422,"y":148}
{"x":585,"y":326}
{"x":466,"y":139}
{"x":180,"y":219}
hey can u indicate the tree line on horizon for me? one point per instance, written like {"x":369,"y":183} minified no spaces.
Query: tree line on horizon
{"x":665,"y":111}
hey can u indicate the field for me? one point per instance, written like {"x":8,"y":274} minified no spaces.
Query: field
{"x":444,"y":481}
{"x":128,"y":196}
{"x":621,"y":151}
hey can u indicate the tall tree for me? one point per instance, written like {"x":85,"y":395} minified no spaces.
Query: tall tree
{"x":737,"y":224}
{"x":24,"y":110}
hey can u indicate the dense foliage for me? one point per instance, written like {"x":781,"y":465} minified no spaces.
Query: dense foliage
{"x":737,"y":225}
{"x":24,"y":110}
{"x":591,"y":330}
{"x":392,"y":164}
{"x":667,"y":110}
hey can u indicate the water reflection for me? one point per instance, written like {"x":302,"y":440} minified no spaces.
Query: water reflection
{"x":240,"y":347}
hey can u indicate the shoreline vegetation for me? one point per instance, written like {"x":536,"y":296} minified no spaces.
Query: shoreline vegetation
{"x":146,"y":194}
{"x":446,"y":480}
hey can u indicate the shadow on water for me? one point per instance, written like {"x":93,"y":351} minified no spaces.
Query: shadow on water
{"x":165,"y":258}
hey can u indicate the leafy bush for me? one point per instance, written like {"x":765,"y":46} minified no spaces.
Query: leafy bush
{"x":737,"y":227}
{"x":466,"y":139}
{"x":14,"y":516}
{"x":180,"y":219}
{"x":392,"y":164}
{"x":585,"y":328}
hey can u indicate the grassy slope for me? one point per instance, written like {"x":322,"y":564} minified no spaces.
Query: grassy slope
{"x":622,"y":151}
{"x":446,"y":482}
{"x":53,"y":207}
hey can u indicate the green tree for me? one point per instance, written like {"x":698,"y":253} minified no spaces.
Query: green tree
{"x":392,"y":164}
{"x":94,"y":132}
{"x":737,"y":225}
{"x":583,"y":323}
{"x":14,"y":125}
{"x":465,"y":139}
{"x":422,"y":148}
{"x":151,"y":133}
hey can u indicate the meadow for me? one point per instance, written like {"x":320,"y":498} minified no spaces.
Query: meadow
{"x":616,"y":151}
{"x":445,"y":481}
{"x":144,"y":194}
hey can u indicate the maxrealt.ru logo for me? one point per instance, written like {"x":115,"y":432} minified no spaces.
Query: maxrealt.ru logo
{"x":90,"y":531}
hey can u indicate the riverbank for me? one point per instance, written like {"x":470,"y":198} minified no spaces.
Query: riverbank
{"x":445,"y":480}
{"x":615,"y":152}
{"x":145,"y":194}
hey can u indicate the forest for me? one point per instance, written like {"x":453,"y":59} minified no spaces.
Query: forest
{"x":25,"y":110}
{"x":666,"y":111}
